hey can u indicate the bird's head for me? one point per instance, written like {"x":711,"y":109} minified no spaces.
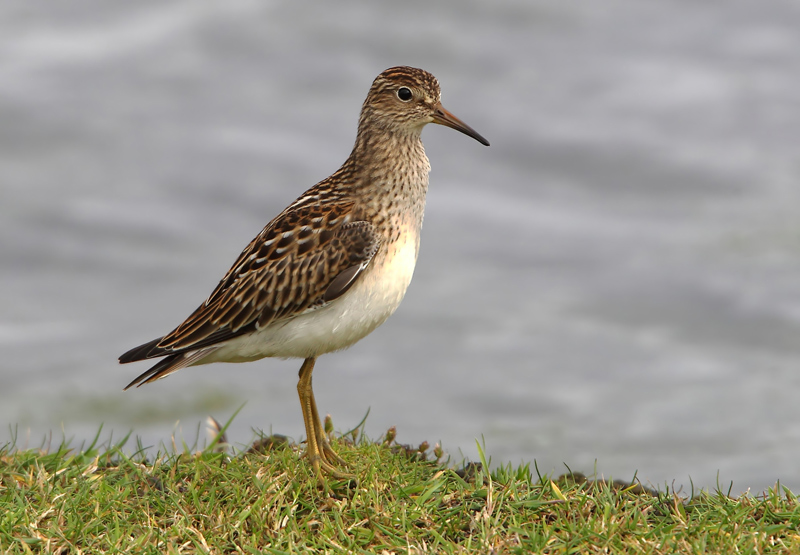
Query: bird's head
{"x":405,"y":99}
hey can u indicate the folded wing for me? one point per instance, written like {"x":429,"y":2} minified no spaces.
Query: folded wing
{"x":304,"y":259}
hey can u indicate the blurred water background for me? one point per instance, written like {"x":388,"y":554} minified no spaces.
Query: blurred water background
{"x":614,"y":282}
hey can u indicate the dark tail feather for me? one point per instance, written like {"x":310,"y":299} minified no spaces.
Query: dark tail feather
{"x":152,"y":373}
{"x":168,"y":365}
{"x":148,"y":350}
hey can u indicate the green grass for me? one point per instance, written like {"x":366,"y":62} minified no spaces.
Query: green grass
{"x":102,"y":500}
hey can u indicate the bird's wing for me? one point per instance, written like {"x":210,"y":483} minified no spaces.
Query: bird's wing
{"x":302,"y":260}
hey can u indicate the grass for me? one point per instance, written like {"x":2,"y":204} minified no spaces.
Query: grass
{"x":266,"y":500}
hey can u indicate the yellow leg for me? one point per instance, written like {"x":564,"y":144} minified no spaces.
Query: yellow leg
{"x":318,"y":450}
{"x":322,"y":439}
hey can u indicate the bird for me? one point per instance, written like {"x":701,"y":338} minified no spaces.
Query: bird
{"x":330,"y":268}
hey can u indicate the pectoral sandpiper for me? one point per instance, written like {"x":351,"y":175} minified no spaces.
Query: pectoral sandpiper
{"x":331,"y":267}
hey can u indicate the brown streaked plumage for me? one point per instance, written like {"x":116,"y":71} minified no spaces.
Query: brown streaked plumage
{"x":333,"y":265}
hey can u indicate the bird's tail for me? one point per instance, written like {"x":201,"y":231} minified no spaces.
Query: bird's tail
{"x":170,"y":364}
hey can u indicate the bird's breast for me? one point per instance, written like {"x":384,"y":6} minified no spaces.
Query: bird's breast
{"x":374,"y":296}
{"x":390,"y":273}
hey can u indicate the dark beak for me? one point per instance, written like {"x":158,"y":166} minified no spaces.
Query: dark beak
{"x":443,"y":117}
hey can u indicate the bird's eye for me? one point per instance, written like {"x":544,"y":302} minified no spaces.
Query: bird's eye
{"x":404,"y":94}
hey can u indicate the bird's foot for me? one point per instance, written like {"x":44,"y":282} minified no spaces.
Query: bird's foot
{"x":329,"y":454}
{"x":322,"y":467}
{"x":321,"y":456}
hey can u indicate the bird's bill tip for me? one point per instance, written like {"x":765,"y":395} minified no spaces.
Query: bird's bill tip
{"x":443,"y":117}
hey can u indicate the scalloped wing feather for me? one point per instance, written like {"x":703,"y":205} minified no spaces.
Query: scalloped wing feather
{"x":306,"y":257}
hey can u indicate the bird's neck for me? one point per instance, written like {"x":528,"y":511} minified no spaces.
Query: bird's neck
{"x":390,"y":158}
{"x":391,"y":172}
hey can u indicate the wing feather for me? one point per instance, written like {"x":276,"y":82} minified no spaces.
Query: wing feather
{"x":305,"y":258}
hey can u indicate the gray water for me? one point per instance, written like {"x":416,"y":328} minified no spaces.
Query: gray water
{"x":613,"y":284}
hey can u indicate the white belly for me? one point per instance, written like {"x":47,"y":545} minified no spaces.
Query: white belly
{"x":374,"y":296}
